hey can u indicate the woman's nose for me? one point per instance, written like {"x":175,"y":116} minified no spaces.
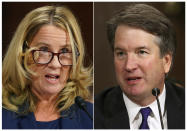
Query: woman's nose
{"x":55,"y":63}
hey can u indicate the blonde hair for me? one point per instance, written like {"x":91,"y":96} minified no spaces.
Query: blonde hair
{"x":16,"y":75}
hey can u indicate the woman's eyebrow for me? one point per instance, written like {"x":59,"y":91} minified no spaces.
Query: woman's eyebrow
{"x":39,"y":44}
{"x":42,"y":43}
{"x":66,"y":46}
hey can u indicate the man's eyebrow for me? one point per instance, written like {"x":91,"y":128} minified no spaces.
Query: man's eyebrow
{"x":142,"y":47}
{"x":117,"y":48}
{"x":137,"y":48}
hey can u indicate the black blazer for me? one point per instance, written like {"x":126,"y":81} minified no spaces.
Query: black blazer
{"x":110,"y":111}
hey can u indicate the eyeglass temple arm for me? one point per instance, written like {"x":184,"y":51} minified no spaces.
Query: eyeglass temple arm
{"x":25,"y":46}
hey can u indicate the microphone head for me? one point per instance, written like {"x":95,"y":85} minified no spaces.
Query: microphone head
{"x":155,"y":91}
{"x":80,"y":101}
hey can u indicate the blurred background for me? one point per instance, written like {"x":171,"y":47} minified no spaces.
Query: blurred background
{"x":104,"y":75}
{"x":14,"y":12}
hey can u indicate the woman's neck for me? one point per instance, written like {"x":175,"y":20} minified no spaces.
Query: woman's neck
{"x":46,"y":111}
{"x":45,"y":108}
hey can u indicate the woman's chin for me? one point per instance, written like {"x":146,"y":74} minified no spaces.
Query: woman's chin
{"x":52,"y":90}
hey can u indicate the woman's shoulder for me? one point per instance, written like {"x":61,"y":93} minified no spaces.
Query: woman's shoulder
{"x":9,"y":119}
{"x":13,"y":120}
{"x":8,"y":114}
{"x":83,"y":116}
{"x":89,"y":105}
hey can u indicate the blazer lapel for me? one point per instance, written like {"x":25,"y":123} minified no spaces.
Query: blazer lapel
{"x":119,"y":121}
{"x":116,"y":112}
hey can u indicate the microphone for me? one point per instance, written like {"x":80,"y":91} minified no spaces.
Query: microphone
{"x":156,"y":92}
{"x":82,"y":105}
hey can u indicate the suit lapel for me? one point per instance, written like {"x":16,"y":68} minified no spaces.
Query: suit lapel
{"x":116,"y":112}
{"x":119,"y":121}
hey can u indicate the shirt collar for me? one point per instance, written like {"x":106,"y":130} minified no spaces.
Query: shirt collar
{"x":133,"y":108}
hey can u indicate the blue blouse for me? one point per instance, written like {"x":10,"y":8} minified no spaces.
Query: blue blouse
{"x":75,"y":118}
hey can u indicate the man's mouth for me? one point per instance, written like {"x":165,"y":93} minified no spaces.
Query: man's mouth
{"x":133,"y":80}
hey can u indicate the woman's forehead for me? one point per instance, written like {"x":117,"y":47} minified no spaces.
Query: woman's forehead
{"x":50,"y":34}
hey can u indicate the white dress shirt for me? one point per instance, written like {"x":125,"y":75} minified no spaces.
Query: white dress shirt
{"x":135,"y":117}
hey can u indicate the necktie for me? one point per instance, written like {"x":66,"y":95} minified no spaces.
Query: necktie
{"x":145,"y":113}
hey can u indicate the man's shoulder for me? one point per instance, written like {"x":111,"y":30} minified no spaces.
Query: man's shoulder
{"x":107,"y":99}
{"x":107,"y":93}
{"x":176,"y":89}
{"x":175,"y":105}
{"x":110,"y":109}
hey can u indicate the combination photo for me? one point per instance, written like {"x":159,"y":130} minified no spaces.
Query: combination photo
{"x":93,"y":65}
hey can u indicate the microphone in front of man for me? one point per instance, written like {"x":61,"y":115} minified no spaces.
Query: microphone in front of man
{"x":82,"y":105}
{"x":156,"y":92}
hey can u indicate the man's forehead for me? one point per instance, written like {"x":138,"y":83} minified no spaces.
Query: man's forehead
{"x":134,"y":37}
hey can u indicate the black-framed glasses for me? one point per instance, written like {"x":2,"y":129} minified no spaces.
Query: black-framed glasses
{"x":45,"y":57}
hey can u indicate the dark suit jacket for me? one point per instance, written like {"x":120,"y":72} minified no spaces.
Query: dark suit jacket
{"x":111,"y":113}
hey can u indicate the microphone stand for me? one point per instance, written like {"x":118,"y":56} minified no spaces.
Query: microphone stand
{"x":156,"y":92}
{"x":161,"y":120}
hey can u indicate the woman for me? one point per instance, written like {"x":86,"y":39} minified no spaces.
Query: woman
{"x":43,"y":73}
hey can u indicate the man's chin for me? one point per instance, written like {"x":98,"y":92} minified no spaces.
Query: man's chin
{"x":135,"y":91}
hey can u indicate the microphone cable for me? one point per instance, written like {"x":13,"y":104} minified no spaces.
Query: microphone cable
{"x":156,"y":92}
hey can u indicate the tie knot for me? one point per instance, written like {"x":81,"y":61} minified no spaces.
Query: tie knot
{"x":145,"y":112}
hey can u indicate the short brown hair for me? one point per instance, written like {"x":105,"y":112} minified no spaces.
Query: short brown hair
{"x":149,"y":19}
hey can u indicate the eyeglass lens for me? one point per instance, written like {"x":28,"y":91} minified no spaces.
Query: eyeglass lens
{"x":45,"y":57}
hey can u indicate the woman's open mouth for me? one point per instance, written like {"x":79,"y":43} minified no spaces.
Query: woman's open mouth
{"x":53,"y":79}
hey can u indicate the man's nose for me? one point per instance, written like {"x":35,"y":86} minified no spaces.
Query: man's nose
{"x":55,"y":63}
{"x":131,"y":63}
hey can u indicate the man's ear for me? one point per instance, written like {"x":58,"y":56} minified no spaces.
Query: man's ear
{"x":167,"y":60}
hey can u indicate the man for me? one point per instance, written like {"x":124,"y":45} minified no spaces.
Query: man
{"x":143,"y":43}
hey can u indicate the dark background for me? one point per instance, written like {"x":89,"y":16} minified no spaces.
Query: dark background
{"x":103,"y":59}
{"x":14,"y":12}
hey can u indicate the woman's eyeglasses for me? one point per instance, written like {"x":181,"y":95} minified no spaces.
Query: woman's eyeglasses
{"x":45,"y":57}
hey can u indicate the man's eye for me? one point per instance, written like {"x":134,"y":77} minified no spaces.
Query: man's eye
{"x":44,"y":48}
{"x":64,"y":50}
{"x":119,"y":53}
{"x":142,"y":52}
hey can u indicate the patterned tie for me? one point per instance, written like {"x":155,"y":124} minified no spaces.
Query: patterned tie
{"x":145,"y":113}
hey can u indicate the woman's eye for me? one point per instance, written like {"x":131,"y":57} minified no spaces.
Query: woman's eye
{"x":64,"y":50}
{"x":44,"y":48}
